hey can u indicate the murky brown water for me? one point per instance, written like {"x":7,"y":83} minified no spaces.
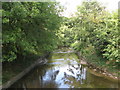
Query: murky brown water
{"x":63,"y":70}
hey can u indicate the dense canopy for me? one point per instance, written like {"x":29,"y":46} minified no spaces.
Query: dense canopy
{"x":38,"y":27}
{"x":29,"y":27}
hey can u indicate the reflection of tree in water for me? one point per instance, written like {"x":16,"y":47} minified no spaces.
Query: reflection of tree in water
{"x":37,"y":79}
{"x":50,"y":83}
{"x":77,"y":76}
{"x":73,"y":76}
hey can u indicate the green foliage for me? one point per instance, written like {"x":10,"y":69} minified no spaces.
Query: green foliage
{"x":94,"y":27}
{"x":29,"y":27}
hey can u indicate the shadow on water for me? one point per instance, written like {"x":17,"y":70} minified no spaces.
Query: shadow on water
{"x":63,"y":70}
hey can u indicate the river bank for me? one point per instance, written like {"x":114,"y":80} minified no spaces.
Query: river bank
{"x":63,"y":70}
{"x":10,"y":77}
{"x":96,"y":67}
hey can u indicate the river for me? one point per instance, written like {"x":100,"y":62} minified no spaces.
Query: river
{"x":63,"y":70}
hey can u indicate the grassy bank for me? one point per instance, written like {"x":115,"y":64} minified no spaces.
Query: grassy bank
{"x":91,"y":56}
{"x":11,"y":69}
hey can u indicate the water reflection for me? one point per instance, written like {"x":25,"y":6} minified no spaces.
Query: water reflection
{"x":63,"y":71}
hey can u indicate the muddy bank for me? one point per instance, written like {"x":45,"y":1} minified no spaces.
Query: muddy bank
{"x":97,"y":69}
{"x":42,"y":60}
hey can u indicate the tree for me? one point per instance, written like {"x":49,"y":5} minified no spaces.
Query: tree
{"x":29,"y":27}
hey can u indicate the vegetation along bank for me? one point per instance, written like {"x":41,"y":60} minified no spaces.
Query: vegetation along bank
{"x":32,"y":29}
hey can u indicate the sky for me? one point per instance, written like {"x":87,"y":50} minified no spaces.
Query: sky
{"x":71,"y":5}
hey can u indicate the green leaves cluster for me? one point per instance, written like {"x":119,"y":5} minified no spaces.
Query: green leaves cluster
{"x":29,"y":27}
{"x":94,"y":27}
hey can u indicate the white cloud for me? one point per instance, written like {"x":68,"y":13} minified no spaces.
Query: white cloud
{"x":71,"y":5}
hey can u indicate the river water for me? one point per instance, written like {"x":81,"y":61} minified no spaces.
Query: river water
{"x":63,"y":70}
